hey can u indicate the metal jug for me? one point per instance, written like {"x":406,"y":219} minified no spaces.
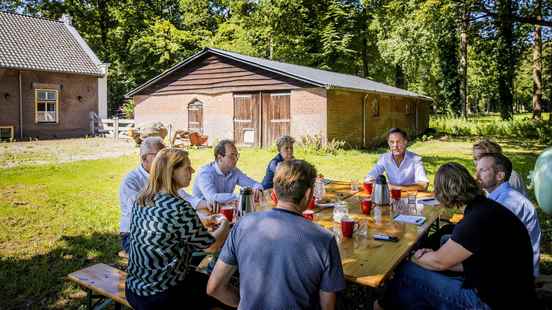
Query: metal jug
{"x":247,"y":204}
{"x":380,"y":192}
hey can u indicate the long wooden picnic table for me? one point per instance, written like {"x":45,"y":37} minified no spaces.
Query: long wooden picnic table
{"x":367,"y":261}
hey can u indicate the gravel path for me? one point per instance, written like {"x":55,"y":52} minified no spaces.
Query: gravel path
{"x":17,"y":154}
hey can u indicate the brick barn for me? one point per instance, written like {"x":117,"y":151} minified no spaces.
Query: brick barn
{"x":253,"y":101}
{"x":50,"y":79}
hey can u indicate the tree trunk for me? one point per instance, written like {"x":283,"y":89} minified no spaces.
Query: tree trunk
{"x":400,"y":80}
{"x":365,"y":57}
{"x":464,"y":26}
{"x":537,"y":65}
{"x":505,"y":58}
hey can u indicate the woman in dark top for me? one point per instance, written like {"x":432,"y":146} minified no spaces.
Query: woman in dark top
{"x":285,"y":152}
{"x":490,"y":248}
{"x":164,"y":232}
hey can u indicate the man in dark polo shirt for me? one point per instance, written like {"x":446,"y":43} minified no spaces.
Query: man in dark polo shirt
{"x":490,"y":247}
{"x":285,"y":261}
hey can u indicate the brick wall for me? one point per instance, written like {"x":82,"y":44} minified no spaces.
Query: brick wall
{"x":73,"y":113}
{"x":308,"y":111}
{"x":345,"y":116}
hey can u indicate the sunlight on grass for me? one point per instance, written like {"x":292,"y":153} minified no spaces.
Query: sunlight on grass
{"x":58,"y":218}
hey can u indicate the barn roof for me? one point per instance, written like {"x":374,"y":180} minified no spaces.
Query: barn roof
{"x":34,"y":43}
{"x":315,"y":77}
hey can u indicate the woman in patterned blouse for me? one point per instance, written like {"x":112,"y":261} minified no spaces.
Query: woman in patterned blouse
{"x":164,"y":232}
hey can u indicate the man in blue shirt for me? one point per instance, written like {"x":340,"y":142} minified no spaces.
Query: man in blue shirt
{"x":493,"y":173}
{"x":285,"y":261}
{"x":217,"y":180}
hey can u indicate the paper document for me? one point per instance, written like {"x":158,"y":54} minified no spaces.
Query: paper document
{"x":410,"y":219}
{"x":429,"y":201}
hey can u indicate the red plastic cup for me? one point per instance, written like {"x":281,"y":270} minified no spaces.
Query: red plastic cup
{"x":228,"y":212}
{"x":368,"y":186}
{"x":396,"y":194}
{"x":347,"y":227}
{"x":274,"y":198}
{"x":311,"y":204}
{"x":308,"y":215}
{"x":366,"y":206}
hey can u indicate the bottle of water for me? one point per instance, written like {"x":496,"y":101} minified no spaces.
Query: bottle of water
{"x":377,"y":215}
{"x":319,"y":189}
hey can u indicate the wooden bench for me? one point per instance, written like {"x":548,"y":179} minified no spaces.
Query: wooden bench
{"x":103,"y":282}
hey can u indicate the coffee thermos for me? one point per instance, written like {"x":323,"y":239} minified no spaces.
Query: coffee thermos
{"x":380,"y":192}
{"x":247,"y":204}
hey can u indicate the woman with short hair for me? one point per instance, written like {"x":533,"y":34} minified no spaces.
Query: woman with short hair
{"x":164,"y":232}
{"x":285,"y":152}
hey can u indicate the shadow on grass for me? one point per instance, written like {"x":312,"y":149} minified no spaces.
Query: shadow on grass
{"x":38,"y":282}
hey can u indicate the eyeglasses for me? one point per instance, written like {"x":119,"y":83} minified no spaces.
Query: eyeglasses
{"x":234,"y":155}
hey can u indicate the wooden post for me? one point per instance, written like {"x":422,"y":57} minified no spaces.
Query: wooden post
{"x":171,"y":140}
{"x":116,"y":128}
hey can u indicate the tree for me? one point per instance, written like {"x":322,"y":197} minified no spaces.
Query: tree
{"x":537,"y":64}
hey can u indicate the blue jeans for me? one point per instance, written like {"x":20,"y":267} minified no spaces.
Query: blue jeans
{"x":414,"y":287}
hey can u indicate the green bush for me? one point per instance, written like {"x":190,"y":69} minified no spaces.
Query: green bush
{"x":519,"y":128}
{"x":312,"y":144}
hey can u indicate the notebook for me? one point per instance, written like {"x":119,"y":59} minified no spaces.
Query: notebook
{"x":410,"y":219}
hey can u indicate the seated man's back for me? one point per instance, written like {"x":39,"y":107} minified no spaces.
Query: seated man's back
{"x":284,"y":261}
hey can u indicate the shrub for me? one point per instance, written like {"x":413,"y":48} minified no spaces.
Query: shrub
{"x":313,"y":144}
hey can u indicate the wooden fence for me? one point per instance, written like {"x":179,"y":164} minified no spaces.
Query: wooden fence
{"x":116,"y":128}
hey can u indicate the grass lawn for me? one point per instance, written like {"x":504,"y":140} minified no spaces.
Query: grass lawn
{"x":57,"y":218}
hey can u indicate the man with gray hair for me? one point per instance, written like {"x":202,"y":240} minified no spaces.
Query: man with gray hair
{"x":137,"y":179}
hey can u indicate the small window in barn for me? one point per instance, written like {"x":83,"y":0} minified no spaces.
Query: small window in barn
{"x":409,"y":108}
{"x":46,"y":106}
{"x":375,"y":107}
{"x":195,"y":116}
{"x":6,"y":133}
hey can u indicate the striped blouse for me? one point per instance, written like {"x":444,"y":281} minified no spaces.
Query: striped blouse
{"x":163,"y":236}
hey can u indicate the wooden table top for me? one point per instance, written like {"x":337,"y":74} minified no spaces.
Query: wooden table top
{"x":367,"y":261}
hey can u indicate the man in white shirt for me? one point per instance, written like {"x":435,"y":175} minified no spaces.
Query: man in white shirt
{"x":137,"y":179}
{"x":404,"y":169}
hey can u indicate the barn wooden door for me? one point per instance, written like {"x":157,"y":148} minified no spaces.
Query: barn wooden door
{"x":195,"y":117}
{"x":276,"y":116}
{"x":246,"y":119}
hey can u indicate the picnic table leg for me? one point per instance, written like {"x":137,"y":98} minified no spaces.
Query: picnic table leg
{"x":88,"y":299}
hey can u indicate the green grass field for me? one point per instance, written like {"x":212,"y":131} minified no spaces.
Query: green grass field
{"x":57,"y":218}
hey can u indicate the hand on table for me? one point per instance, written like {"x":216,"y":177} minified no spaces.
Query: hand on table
{"x":419,"y":253}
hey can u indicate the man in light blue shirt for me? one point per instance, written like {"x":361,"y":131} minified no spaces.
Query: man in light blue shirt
{"x":404,"y":169}
{"x":216,"y":181}
{"x":493,"y":173}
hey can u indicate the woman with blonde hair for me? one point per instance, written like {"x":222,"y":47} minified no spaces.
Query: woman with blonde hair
{"x":164,"y":232}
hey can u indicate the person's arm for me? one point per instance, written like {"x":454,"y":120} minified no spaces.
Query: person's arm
{"x":420,"y":176}
{"x":413,"y":187}
{"x":128,"y":192}
{"x":448,"y":256}
{"x":220,"y":235}
{"x":327,"y":300}
{"x":245,"y":181}
{"x":219,"y":284}
{"x":206,"y":184}
{"x":378,"y":169}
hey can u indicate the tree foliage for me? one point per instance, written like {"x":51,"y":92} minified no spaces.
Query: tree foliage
{"x":414,"y":44}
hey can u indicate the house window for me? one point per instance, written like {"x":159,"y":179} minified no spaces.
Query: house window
{"x":6,"y":133}
{"x":375,"y":107}
{"x":46,"y":106}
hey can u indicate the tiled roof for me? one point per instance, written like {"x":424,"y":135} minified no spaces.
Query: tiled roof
{"x":31,"y":43}
{"x":317,"y":77}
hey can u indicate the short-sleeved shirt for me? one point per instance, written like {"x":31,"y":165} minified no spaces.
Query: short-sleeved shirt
{"x":526,"y":213}
{"x":284,"y":261}
{"x":213,"y":185}
{"x":501,"y":265}
{"x":163,"y":236}
{"x":410,"y":171}
{"x":271,"y":171}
